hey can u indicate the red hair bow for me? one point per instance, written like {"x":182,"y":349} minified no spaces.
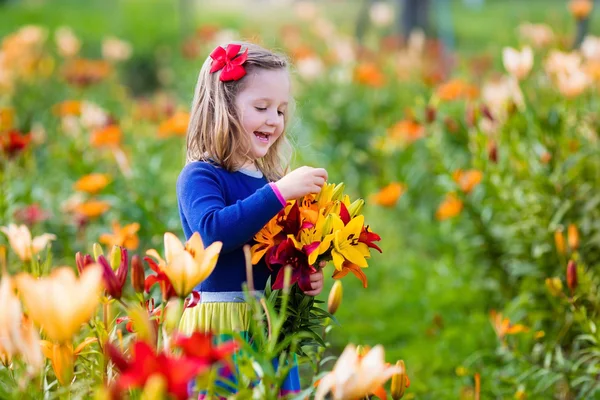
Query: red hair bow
{"x":229,"y":61}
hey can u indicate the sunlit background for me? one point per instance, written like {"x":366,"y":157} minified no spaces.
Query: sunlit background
{"x":479,"y":163}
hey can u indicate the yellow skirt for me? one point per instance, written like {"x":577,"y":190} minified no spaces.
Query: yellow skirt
{"x":217,"y":318}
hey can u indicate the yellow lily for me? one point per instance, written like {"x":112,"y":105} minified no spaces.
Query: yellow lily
{"x":187,"y":265}
{"x":355,"y":376}
{"x":63,"y":357}
{"x":309,"y":236}
{"x":346,"y":245}
{"x":60,"y":303}
{"x":21,"y":242}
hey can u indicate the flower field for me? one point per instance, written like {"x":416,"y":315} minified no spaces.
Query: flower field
{"x":479,"y":169}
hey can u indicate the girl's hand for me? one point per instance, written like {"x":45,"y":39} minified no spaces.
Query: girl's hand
{"x":301,"y":181}
{"x":316,"y":282}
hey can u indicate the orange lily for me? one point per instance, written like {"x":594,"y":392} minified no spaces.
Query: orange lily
{"x":92,"y":208}
{"x":92,"y":183}
{"x":369,"y":74}
{"x":467,"y":180}
{"x":61,"y":303}
{"x":187,"y":265}
{"x":63,"y":357}
{"x":389,"y":195}
{"x":124,"y":237}
{"x":265,"y":239}
{"x":17,"y":333}
{"x":109,"y":136}
{"x":174,"y":126}
{"x":503,"y":327}
{"x":347,"y":266}
{"x":450,"y":207}
{"x":355,"y":377}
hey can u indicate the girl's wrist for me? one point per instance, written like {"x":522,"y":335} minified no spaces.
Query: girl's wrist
{"x":278,"y":193}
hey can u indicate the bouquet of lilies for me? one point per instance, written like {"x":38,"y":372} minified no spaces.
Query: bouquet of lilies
{"x":313,"y":230}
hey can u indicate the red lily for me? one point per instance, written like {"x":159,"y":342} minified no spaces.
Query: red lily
{"x":368,"y":237}
{"x":165,"y":284}
{"x":31,"y":214}
{"x":176,"y":371}
{"x":200,"y":346}
{"x":344,"y":214}
{"x":82,"y":261}
{"x":292,"y":223}
{"x":288,"y":254}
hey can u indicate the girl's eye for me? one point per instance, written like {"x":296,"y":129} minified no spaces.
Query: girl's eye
{"x":261,"y":108}
{"x":281,"y":113}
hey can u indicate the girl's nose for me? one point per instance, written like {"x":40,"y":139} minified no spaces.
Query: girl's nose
{"x":272,"y":119}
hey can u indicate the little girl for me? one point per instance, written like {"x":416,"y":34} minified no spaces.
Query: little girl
{"x":234,"y":183}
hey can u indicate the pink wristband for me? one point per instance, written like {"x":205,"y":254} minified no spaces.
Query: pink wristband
{"x":278,"y":194}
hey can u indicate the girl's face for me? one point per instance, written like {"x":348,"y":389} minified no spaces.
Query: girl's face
{"x":262,"y":105}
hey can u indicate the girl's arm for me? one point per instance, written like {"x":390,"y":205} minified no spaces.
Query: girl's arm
{"x":202,"y":200}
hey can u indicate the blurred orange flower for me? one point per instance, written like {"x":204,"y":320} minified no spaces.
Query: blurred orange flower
{"x":457,"y":89}
{"x":124,"y":237}
{"x":450,"y":207}
{"x":592,"y":69}
{"x":84,"y":72}
{"x":92,"y":183}
{"x":503,"y":327}
{"x":107,"y":136}
{"x":539,"y":35}
{"x":406,"y":131}
{"x":175,"y":126}
{"x":7,"y":119}
{"x":67,"y":107}
{"x":580,"y":8}
{"x":369,"y":74}
{"x":389,"y":195}
{"x":467,"y":180}
{"x":92,"y":208}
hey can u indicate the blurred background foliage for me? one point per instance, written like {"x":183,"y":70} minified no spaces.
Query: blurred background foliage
{"x":387,"y":110}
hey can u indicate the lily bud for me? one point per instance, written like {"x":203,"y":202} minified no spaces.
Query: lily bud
{"x":470,"y":115}
{"x":493,"y":152}
{"x":338,"y":192}
{"x":399,"y":382}
{"x":485,"y":111}
{"x":97,"y":250}
{"x":559,"y":241}
{"x":328,"y":224}
{"x":430,"y":114}
{"x":361,"y":351}
{"x":335,"y":297}
{"x":573,"y":237}
{"x":554,"y":286}
{"x":155,"y":388}
{"x":572,"y":276}
{"x":356,"y":207}
{"x":115,"y":257}
{"x":580,"y":9}
{"x":173,"y":313}
{"x":137,"y":274}
{"x":82,"y":261}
